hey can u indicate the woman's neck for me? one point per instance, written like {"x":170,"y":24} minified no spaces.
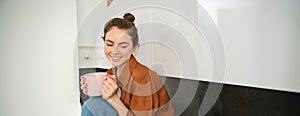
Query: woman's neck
{"x":120,"y":69}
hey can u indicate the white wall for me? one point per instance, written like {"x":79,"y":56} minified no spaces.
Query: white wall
{"x":260,"y":38}
{"x":261,"y":44}
{"x":37,"y":39}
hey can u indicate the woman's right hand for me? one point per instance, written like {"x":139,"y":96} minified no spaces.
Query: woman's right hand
{"x":83,"y":85}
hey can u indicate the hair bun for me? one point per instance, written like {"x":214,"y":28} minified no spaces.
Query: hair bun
{"x":129,"y":17}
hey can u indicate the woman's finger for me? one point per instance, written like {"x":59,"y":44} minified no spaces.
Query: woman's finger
{"x":84,"y":86}
{"x":105,"y":92}
{"x":112,"y":82}
{"x":85,"y":91}
{"x":82,"y":79}
{"x":113,"y":77}
{"x":109,"y":87}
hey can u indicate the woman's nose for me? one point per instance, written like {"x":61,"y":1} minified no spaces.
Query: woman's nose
{"x":115,"y":50}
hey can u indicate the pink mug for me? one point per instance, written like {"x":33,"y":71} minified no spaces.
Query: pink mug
{"x":94,"y":83}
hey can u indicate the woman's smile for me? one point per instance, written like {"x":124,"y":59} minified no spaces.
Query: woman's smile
{"x":116,"y":58}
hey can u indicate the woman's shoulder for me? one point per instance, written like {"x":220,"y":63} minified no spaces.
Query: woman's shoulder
{"x":143,"y":74}
{"x":141,"y":68}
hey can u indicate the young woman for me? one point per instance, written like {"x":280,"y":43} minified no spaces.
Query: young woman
{"x":131,"y":88}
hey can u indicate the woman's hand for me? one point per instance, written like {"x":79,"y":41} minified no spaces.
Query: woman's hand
{"x":109,"y":87}
{"x":109,"y":92}
{"x":83,"y":85}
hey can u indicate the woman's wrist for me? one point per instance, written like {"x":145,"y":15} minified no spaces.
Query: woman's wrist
{"x":116,"y":102}
{"x":114,"y":98}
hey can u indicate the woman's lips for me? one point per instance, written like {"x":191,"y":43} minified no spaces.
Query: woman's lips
{"x":115,"y":58}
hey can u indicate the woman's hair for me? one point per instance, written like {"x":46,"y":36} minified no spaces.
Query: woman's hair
{"x":124,"y":23}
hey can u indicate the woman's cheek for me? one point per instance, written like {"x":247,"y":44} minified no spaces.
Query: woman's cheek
{"x":107,"y":50}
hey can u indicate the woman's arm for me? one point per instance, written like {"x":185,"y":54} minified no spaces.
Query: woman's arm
{"x":116,"y":102}
{"x":109,"y":89}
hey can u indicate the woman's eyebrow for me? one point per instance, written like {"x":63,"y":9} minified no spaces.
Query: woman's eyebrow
{"x":109,"y":40}
{"x":123,"y":43}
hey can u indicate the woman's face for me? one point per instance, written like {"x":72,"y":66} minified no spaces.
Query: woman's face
{"x":118,"y":47}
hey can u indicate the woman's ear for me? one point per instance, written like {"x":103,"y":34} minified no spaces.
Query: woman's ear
{"x":135,"y":49}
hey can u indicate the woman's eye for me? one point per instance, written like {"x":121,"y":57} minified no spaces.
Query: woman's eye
{"x":109,"y":44}
{"x":123,"y":46}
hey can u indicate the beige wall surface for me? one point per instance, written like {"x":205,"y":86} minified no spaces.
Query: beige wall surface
{"x":37,"y":39}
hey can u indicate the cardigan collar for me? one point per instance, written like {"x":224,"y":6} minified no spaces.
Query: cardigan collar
{"x":125,"y":76}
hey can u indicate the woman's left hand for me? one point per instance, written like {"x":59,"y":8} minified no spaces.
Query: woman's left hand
{"x":109,"y":87}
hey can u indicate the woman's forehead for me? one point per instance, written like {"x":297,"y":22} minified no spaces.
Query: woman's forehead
{"x":116,"y":35}
{"x":121,"y":41}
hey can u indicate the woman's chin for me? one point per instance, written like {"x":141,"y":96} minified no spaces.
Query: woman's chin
{"x":115,"y":64}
